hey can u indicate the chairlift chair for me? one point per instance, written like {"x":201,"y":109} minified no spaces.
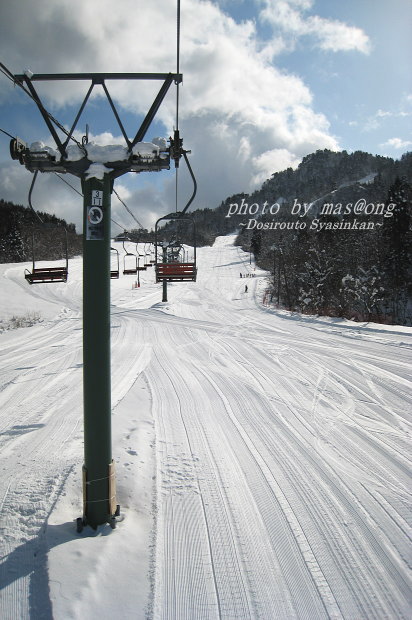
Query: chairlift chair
{"x":139,"y":256}
{"x":131,"y":268}
{"x":175,"y":271}
{"x":152,"y":253}
{"x":39,"y":275}
{"x":114,"y":273}
{"x":147,"y":262}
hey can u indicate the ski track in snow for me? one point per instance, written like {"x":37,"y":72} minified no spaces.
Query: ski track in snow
{"x":263,"y":459}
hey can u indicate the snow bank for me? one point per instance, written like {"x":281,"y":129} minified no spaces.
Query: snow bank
{"x":97,"y":153}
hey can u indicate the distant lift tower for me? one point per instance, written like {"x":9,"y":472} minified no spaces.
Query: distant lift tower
{"x":99,"y":495}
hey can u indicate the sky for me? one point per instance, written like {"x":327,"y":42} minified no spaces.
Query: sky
{"x":265,"y":82}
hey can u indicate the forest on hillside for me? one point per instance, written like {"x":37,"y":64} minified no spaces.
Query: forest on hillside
{"x":21,"y":231}
{"x":340,"y":264}
{"x":335,"y":235}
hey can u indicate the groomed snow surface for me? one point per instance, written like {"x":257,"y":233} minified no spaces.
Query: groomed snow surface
{"x":263,"y":459}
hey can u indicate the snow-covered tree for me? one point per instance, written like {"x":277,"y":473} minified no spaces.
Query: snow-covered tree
{"x":363,"y":293}
{"x":315,"y":281}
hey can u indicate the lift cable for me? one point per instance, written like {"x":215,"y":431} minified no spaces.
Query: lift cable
{"x":177,"y":94}
{"x":7,"y":133}
{"x":11,"y":77}
{"x":177,"y":125}
{"x":80,"y":194}
{"x":177,"y":62}
{"x":114,"y":222}
{"x":177,"y":98}
{"x":69,"y":184}
{"x":127,"y":209}
{"x":7,"y":73}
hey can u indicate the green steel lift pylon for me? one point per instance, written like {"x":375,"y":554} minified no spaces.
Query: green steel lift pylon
{"x":99,"y":494}
{"x":164,"y":287}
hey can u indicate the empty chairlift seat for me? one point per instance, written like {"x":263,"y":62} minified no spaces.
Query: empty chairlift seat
{"x":47,"y":274}
{"x":129,"y":264}
{"x":114,"y":264}
{"x":176,"y":272}
{"x":129,"y":261}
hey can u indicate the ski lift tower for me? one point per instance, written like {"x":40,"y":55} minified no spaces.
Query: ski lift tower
{"x":97,"y":167}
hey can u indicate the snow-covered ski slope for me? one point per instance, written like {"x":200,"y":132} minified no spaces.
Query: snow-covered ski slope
{"x":263,"y":460}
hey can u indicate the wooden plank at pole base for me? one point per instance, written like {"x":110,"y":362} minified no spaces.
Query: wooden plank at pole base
{"x":112,"y":489}
{"x":110,"y":497}
{"x":84,"y":477}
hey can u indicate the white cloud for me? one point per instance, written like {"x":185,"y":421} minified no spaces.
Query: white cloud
{"x":241,"y":117}
{"x":397,"y":143}
{"x":331,"y":35}
{"x":50,"y":194}
{"x":383,"y":113}
{"x":378,"y":118}
{"x":275,"y":161}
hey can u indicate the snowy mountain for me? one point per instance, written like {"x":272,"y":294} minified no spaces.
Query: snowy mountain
{"x":263,"y":458}
{"x":348,"y":176}
{"x":336,"y":235}
{"x":334,"y":178}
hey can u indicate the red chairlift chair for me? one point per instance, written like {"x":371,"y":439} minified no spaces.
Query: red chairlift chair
{"x":175,"y":271}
